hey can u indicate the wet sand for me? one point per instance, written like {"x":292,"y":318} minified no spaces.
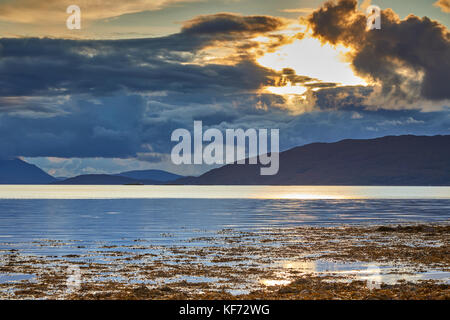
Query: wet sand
{"x":346,"y":262}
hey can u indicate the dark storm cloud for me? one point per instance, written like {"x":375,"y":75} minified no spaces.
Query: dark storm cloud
{"x":231,"y":24}
{"x":289,"y":75}
{"x":109,"y":129}
{"x":226,"y":27}
{"x":408,"y":57}
{"x":32,"y":67}
{"x":152,"y":157}
{"x":343,"y":98}
{"x":320,"y":85}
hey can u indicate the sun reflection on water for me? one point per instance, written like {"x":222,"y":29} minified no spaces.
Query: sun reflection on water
{"x":220,"y":192}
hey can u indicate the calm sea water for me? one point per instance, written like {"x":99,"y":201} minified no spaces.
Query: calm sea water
{"x":172,"y":214}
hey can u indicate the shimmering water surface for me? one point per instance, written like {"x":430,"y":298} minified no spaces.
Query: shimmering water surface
{"x":120,"y":213}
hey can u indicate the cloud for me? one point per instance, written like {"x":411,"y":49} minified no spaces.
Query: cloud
{"x":57,"y":67}
{"x":29,"y":106}
{"x":152,"y":157}
{"x":343,"y":98}
{"x":231,"y":24}
{"x":227,"y":38}
{"x":444,"y":5}
{"x":298,"y":10}
{"x":409,"y":120}
{"x":30,"y":67}
{"x":407,"y":58}
{"x":54,"y":11}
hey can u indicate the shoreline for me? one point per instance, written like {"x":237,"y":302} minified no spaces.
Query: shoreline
{"x":228,"y":192}
{"x":411,"y":261}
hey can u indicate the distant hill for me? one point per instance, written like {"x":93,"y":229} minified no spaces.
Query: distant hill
{"x":17,"y":171}
{"x":103,"y":179}
{"x":155,"y":175}
{"x":393,"y":160}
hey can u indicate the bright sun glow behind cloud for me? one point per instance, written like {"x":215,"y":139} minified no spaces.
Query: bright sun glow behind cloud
{"x":308,"y":57}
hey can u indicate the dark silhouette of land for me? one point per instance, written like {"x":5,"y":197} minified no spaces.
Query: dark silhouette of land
{"x":105,"y":179}
{"x":389,"y":161}
{"x":137,"y":177}
{"x":17,"y":171}
{"x":154,"y":175}
{"x":393,"y":160}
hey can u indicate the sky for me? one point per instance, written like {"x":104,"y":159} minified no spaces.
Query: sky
{"x":106,"y":98}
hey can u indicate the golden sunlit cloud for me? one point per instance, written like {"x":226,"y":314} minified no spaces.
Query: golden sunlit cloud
{"x":311,"y":58}
{"x":298,"y":10}
{"x":322,"y":65}
{"x":444,"y":5}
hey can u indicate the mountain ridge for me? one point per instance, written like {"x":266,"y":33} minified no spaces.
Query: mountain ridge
{"x":151,"y":174}
{"x":405,"y":160}
{"x":391,"y":160}
{"x":17,"y":171}
{"x":103,"y":179}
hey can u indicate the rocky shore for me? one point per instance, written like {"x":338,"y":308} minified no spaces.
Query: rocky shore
{"x":346,"y":262}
